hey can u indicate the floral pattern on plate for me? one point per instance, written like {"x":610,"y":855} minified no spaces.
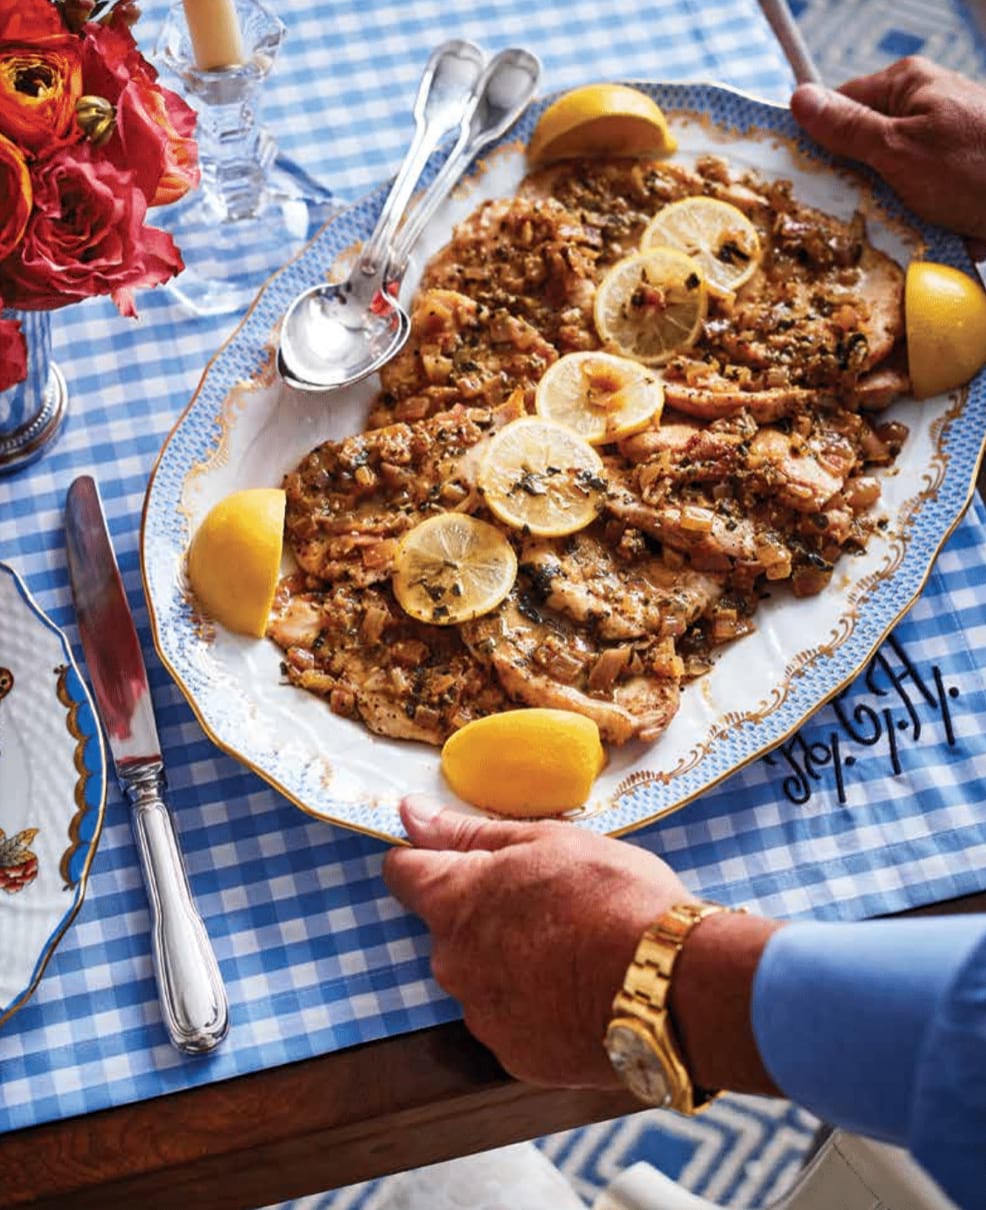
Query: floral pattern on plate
{"x":52,"y":790}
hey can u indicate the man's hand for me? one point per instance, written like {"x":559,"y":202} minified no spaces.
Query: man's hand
{"x":533,"y":926}
{"x":920,"y":126}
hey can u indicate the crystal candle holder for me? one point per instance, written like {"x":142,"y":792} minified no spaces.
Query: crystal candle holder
{"x":255,"y":208}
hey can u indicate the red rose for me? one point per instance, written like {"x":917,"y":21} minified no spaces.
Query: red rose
{"x":86,"y":236}
{"x":15,"y":189}
{"x":39,"y":86}
{"x":109,"y":58}
{"x":29,"y":21}
{"x":13,"y":353}
{"x":154,"y":127}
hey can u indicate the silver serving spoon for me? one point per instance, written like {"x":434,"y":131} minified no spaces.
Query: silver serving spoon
{"x":504,"y":91}
{"x":337,"y":330}
{"x":309,"y":361}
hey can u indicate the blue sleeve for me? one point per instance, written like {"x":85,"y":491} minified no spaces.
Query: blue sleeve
{"x":880,"y":1027}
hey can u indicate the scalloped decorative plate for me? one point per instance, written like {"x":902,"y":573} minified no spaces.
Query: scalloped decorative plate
{"x":244,"y":428}
{"x":52,"y":790}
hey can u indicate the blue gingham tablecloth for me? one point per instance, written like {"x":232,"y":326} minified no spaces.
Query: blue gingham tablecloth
{"x":879,"y":804}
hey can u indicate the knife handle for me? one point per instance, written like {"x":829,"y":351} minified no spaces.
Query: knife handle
{"x":788,"y":34}
{"x":193,"y":999}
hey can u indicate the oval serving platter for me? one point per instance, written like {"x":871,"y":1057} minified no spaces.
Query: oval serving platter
{"x":244,"y":428}
{"x":52,"y":790}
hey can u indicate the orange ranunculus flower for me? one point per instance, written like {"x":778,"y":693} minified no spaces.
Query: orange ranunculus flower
{"x":39,"y":86}
{"x":30,"y":21}
{"x":15,"y":189}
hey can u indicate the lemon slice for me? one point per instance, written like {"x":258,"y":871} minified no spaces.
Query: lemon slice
{"x":541,"y":477}
{"x":524,"y":762}
{"x":599,"y":396}
{"x":945,"y":321}
{"x":601,"y":119}
{"x":451,"y":568}
{"x":235,"y":558}
{"x":651,"y":305}
{"x":721,"y":238}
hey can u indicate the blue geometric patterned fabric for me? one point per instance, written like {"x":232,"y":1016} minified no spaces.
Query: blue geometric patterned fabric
{"x":853,"y":37}
{"x":864,"y":813}
{"x":743,"y":1151}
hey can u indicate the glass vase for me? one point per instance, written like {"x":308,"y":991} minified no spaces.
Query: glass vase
{"x":32,"y":411}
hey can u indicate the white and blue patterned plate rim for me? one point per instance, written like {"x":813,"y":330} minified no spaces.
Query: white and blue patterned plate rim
{"x":88,"y":815}
{"x":247,"y":353}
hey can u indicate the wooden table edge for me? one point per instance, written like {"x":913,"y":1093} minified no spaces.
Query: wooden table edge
{"x":292,"y":1130}
{"x":302,"y":1128}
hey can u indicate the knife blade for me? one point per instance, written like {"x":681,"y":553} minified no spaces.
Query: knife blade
{"x":193,"y":999}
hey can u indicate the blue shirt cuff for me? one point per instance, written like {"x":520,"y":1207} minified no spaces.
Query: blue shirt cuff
{"x":840,"y":1013}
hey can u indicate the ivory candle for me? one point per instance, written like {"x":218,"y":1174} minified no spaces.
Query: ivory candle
{"x":215,"y":33}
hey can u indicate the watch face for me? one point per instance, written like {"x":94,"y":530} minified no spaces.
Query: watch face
{"x":636,"y":1063}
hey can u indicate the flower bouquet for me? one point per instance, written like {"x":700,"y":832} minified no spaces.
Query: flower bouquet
{"x":89,"y":142}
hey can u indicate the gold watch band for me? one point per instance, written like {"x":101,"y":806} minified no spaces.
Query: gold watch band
{"x":644,"y":998}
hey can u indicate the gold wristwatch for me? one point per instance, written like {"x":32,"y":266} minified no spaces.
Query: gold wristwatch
{"x":640,"y":1040}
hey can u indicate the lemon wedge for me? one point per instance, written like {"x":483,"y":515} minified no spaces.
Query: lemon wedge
{"x":540,"y":477}
{"x":452,"y":568}
{"x":234,"y":559}
{"x":601,"y":119}
{"x":651,"y":305}
{"x":524,"y":763}
{"x":716,"y":234}
{"x":600,"y":396}
{"x":945,"y":321}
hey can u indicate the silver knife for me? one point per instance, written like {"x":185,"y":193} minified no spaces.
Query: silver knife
{"x":193,"y":999}
{"x":805,"y":71}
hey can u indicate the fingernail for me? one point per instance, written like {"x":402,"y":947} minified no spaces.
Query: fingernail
{"x":811,"y":99}
{"x":423,"y":807}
